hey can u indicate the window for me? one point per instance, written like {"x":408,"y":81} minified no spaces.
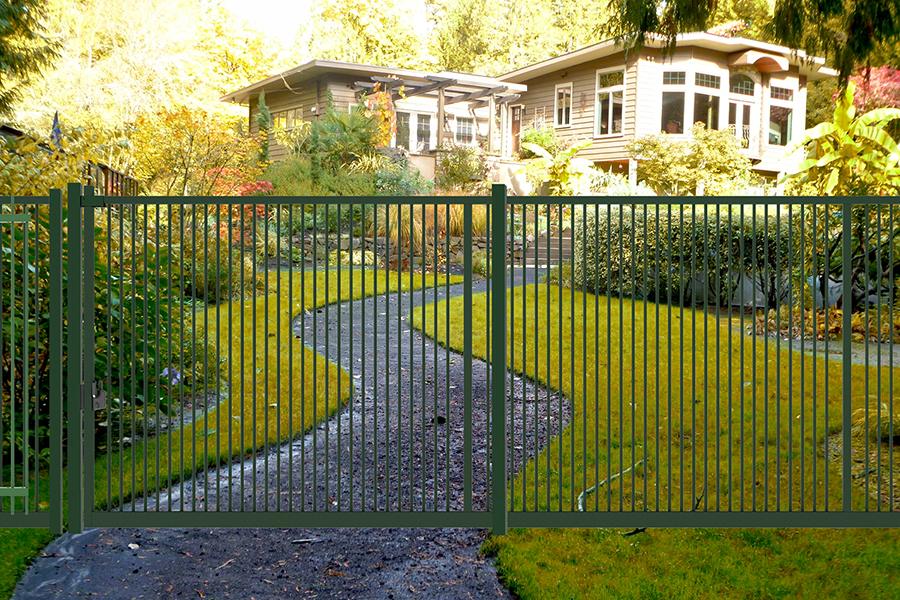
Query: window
{"x":706,"y":110}
{"x":709,"y":81}
{"x":673,"y":78}
{"x":563,"y":106}
{"x":465,"y":130}
{"x":673,"y":112}
{"x":279,"y":120}
{"x":781,"y":115}
{"x":403,"y":130}
{"x":423,"y":132}
{"x":780,"y":93}
{"x":610,"y":103}
{"x":742,"y":84}
{"x":781,"y":121}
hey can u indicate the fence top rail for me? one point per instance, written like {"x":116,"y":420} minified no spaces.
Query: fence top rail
{"x":24,"y":200}
{"x":294,"y":200}
{"x":703,"y":200}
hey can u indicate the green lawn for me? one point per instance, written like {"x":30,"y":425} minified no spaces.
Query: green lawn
{"x":19,"y":546}
{"x":695,"y":426}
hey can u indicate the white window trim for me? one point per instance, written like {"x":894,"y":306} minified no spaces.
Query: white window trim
{"x":571,"y":86}
{"x":676,"y":88}
{"x":770,"y":102}
{"x":614,"y":88}
{"x":414,"y":131}
{"x":473,"y":121}
{"x":709,"y":91}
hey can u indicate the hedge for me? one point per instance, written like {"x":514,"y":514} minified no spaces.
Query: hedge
{"x":690,"y":250}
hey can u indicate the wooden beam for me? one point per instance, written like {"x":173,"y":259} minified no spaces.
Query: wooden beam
{"x":508,"y":99}
{"x":363,"y":85}
{"x":437,"y":85}
{"x":478,"y":94}
{"x":388,"y":82}
{"x":440,"y":117}
{"x":491,"y":111}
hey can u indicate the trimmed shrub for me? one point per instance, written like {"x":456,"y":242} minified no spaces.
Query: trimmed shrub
{"x":680,"y":255}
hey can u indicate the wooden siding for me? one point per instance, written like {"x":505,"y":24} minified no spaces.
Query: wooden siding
{"x":306,"y":96}
{"x":314,"y":94}
{"x":541,"y":94}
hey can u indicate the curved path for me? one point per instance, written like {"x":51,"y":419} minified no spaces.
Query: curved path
{"x":401,"y":462}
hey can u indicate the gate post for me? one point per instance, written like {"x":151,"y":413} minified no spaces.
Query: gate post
{"x":499,"y":471}
{"x":74,"y":358}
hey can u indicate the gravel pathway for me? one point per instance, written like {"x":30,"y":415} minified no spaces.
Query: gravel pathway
{"x":415,"y":462}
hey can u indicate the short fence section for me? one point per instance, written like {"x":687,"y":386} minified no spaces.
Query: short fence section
{"x":31,"y":357}
{"x":339,"y":362}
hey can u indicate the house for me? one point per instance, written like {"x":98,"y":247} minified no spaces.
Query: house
{"x":608,"y":96}
{"x":600,"y":93}
{"x":422,"y":100}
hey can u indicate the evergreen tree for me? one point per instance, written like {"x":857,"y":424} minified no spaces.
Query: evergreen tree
{"x":24,"y":49}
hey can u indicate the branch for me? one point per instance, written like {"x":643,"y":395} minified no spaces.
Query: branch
{"x":584,"y":494}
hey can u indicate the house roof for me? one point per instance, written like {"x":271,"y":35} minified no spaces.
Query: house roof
{"x":464,"y":83}
{"x":812,"y":67}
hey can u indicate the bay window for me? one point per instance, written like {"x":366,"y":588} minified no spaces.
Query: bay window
{"x":781,"y":115}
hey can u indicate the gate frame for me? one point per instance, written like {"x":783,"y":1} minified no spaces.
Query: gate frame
{"x":498,"y":517}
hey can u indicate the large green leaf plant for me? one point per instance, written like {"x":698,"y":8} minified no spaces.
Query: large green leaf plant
{"x":851,"y":156}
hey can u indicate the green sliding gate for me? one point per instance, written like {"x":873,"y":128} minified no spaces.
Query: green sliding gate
{"x":281,"y":361}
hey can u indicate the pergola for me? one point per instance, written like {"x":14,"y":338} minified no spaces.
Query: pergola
{"x":448,"y":88}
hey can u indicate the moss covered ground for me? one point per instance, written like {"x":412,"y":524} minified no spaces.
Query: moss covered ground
{"x":724,"y":421}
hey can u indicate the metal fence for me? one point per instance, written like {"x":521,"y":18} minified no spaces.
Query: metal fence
{"x":329,"y":362}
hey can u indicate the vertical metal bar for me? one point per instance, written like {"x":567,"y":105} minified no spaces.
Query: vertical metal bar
{"x":847,"y":307}
{"x":681,"y":302}
{"x":278,"y":355}
{"x":537,"y":338}
{"x":156,"y":357}
{"x":730,"y":289}
{"x":718,"y":471}
{"x":656,"y":369}
{"x":467,"y":357}
{"x":742,"y":342}
{"x":803,"y":272}
{"x":75,"y":358}
{"x":26,"y":358}
{"x":447,"y":358}
{"x":864,"y":243}
{"x":890,"y":228}
{"x":755,"y":252}
{"x":265,"y":349}
{"x":412,"y":395}
{"x":315,"y":370}
{"x":169,"y":334}
{"x":815,"y":359}
{"x":400,"y":350}
{"x":584,"y":431}
{"x":510,"y":217}
{"x":777,"y":293}
{"x":790,"y":301}
{"x":434,"y":370}
{"x":290,"y":358}
{"x":55,"y":392}
{"x":219,"y":303}
{"x":303,"y":354}
{"x":633,"y":389}
{"x":335,"y":302}
{"x":880,"y":342}
{"x":693,"y":356}
{"x":498,"y":358}
{"x":362,"y":402}
{"x":236,"y":299}
{"x":89,"y":353}
{"x":181,"y":353}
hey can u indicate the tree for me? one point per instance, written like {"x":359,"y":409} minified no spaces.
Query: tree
{"x":192,"y":152}
{"x":24,"y":49}
{"x":362,"y":31}
{"x":848,"y":32}
{"x":676,"y":168}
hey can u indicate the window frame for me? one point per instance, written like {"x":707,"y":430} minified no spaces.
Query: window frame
{"x":556,"y":121}
{"x":473,"y":130}
{"x":598,"y":103}
{"x":772,"y":102}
